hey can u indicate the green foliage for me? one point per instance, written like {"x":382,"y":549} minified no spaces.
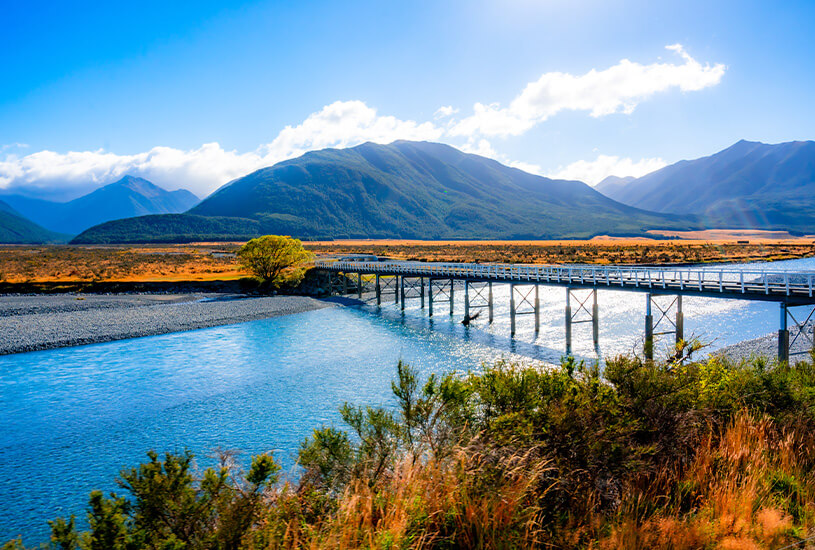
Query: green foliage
{"x":275,"y":259}
{"x":167,"y":507}
{"x":422,"y":428}
{"x":170,"y":228}
{"x":16,"y":229}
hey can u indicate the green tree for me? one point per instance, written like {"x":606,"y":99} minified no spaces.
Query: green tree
{"x":275,"y":259}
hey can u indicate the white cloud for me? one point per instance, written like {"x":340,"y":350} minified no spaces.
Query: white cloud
{"x":525,"y":166}
{"x":347,"y":123}
{"x":595,"y":171}
{"x":480,"y":147}
{"x":444,"y":112}
{"x":618,"y":89}
{"x":340,"y":124}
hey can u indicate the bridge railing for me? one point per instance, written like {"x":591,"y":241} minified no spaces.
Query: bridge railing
{"x":730,"y":280}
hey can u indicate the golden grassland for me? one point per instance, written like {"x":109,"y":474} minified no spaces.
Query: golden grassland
{"x":217,"y":261}
{"x":21,"y":264}
{"x":596,"y":251}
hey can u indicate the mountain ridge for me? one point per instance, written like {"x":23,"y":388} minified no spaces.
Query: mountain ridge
{"x":17,"y":229}
{"x":410,"y":189}
{"x":425,"y":189}
{"x":127,"y":197}
{"x":749,"y":185}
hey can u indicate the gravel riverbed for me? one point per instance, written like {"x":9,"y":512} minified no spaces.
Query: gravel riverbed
{"x":767,"y":346}
{"x":29,"y":323}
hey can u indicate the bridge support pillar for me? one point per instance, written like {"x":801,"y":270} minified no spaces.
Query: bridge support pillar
{"x":595,"y":323}
{"x":783,"y":336}
{"x":512,"y":309}
{"x":680,"y":320}
{"x":489,"y":302}
{"x":477,"y":296}
{"x":582,"y":312}
{"x":452,"y":286}
{"x":526,"y":303}
{"x":649,"y":328}
{"x":789,"y":333}
{"x":421,"y":290}
{"x":344,"y":284}
{"x":467,"y":300}
{"x":568,"y":321}
{"x":402,"y":291}
{"x":430,"y":297}
{"x":378,"y":291}
{"x":396,"y":290}
{"x":359,"y":286}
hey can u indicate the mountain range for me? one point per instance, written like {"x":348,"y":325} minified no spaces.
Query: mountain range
{"x":126,"y":198}
{"x":749,"y":185}
{"x":432,"y":191}
{"x":15,"y":229}
{"x":405,"y":189}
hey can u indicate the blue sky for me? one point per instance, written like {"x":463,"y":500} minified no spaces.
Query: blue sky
{"x":192,"y":94}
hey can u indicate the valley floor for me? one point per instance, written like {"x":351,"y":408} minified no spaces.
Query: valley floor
{"x":29,"y":323}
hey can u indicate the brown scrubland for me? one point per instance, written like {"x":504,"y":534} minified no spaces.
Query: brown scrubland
{"x":217,"y":261}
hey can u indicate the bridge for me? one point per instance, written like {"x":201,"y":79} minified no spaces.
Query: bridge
{"x":432,"y":282}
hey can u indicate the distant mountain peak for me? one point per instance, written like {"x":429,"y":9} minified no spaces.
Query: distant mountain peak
{"x":749,"y":185}
{"x":127,"y":197}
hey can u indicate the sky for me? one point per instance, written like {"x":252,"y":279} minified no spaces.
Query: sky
{"x":195,"y":94}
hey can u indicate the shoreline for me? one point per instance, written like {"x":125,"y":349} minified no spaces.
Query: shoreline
{"x":42,"y":322}
{"x":767,"y":346}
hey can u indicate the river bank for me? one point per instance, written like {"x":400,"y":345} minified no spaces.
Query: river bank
{"x":30,"y":323}
{"x":767,"y":346}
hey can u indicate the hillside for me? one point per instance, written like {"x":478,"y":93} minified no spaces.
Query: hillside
{"x":419,"y":190}
{"x":748,"y":185}
{"x":612,"y":183}
{"x":414,"y":190}
{"x":125,"y":198}
{"x":170,"y":228}
{"x":15,"y":229}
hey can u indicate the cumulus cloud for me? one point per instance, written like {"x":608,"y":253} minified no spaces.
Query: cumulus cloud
{"x":444,"y":112}
{"x":618,"y":89}
{"x":595,"y":171}
{"x":340,"y":124}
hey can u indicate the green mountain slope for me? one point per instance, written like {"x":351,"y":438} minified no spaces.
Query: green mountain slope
{"x":409,"y":190}
{"x":126,"y":198}
{"x":419,"y":190}
{"x":170,"y":228}
{"x":15,"y":229}
{"x":748,"y":185}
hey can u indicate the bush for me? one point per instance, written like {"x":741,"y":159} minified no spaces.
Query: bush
{"x":274,"y":259}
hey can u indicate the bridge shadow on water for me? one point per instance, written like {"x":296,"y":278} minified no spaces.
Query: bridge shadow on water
{"x":479,"y":332}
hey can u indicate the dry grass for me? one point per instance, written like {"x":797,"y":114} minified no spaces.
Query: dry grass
{"x":733,"y":493}
{"x":20,"y":264}
{"x":727,"y":498}
{"x":195,"y":262}
{"x":592,"y":252}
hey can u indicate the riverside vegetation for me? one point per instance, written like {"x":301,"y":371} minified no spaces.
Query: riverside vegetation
{"x":677,"y":453}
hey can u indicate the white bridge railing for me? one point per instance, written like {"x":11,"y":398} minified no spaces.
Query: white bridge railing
{"x":728,"y":280}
